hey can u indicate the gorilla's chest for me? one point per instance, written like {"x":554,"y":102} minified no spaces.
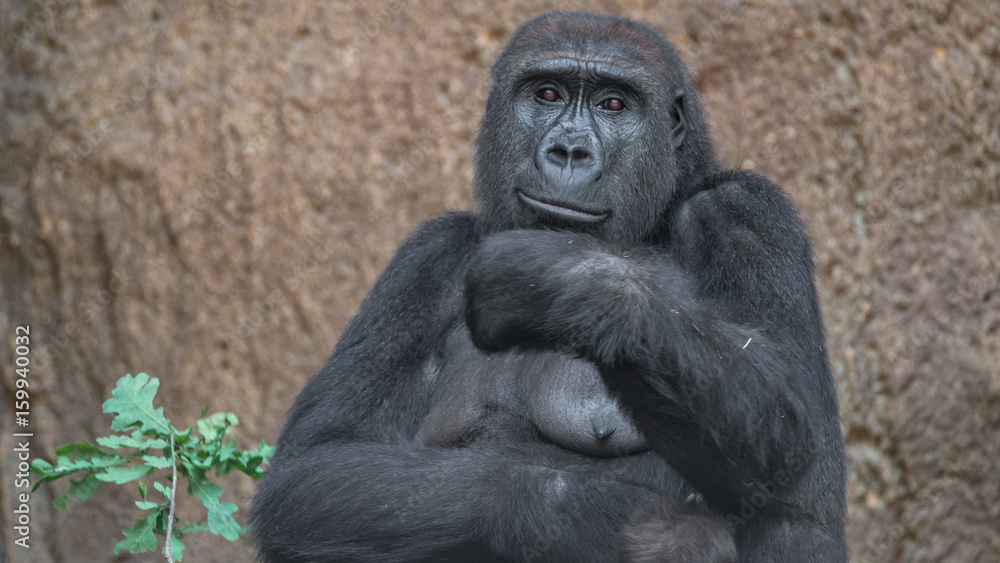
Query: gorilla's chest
{"x":528,"y":394}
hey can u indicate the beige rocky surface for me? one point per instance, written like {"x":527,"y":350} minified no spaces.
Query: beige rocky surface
{"x":206,"y":191}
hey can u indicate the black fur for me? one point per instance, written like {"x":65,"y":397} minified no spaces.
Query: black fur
{"x":606,"y":231}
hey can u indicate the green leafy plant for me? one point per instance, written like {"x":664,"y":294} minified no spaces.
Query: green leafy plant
{"x":154,"y":445}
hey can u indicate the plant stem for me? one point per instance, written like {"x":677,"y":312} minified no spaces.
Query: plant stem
{"x":173,"y":495}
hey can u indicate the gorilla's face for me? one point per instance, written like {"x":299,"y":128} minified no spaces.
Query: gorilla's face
{"x":579,"y":136}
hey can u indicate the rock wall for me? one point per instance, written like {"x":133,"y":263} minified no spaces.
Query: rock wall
{"x":205,"y":191}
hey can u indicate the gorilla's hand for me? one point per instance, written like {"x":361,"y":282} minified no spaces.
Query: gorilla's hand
{"x":554,"y":497}
{"x":668,"y":530}
{"x":504,"y":299}
{"x":543,"y":289}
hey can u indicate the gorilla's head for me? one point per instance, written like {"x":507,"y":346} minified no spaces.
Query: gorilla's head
{"x":592,"y":124}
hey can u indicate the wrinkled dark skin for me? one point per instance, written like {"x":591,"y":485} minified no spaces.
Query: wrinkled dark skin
{"x":606,"y":232}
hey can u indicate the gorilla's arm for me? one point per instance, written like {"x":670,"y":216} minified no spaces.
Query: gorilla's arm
{"x":713,"y":339}
{"x":349,"y":482}
{"x":402,"y":502}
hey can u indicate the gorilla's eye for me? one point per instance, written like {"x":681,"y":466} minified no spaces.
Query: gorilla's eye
{"x":548,"y":94}
{"x":612,"y":104}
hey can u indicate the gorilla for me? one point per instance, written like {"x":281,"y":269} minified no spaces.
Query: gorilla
{"x":621,"y":354}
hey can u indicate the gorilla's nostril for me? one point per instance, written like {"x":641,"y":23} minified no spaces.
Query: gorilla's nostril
{"x":558,"y":155}
{"x":580,"y":154}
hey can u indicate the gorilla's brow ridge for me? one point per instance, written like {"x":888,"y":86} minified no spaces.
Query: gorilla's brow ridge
{"x":614,"y":68}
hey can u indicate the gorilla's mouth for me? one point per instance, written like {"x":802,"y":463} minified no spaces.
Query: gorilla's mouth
{"x":563,"y":211}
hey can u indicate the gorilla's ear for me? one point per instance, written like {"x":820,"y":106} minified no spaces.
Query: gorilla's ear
{"x":680,"y":124}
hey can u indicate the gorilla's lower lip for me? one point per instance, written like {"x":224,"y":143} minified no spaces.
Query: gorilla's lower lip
{"x":563,"y":210}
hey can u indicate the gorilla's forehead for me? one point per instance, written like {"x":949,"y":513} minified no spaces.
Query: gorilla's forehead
{"x":590,"y":35}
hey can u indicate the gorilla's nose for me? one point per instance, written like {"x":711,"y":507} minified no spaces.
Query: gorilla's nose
{"x":573,"y":156}
{"x":569,"y":160}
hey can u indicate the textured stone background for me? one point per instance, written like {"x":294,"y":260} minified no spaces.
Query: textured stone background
{"x":206,"y":191}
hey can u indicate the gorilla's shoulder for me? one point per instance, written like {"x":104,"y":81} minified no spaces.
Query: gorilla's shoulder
{"x":454,"y":224}
{"x":742,"y":192}
{"x":741,"y":205}
{"x":739,"y":183}
{"x":450,"y":232}
{"x":437,"y":247}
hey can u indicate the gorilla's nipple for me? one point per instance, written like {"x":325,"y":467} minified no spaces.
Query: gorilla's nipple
{"x":604,"y":426}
